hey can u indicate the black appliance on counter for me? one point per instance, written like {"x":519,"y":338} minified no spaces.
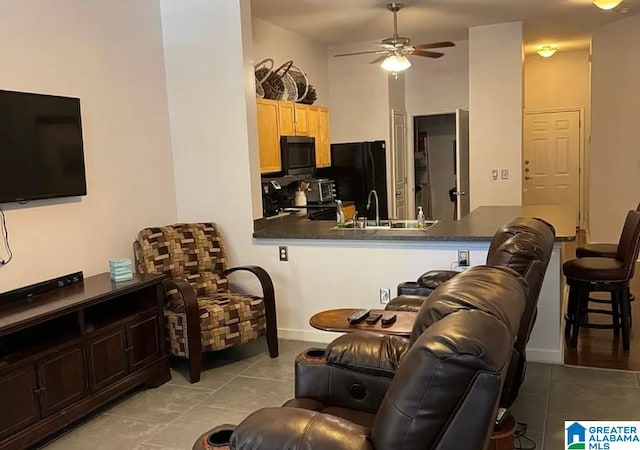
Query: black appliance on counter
{"x":321,"y":190}
{"x":357,"y":168}
{"x":298,"y":155}
{"x":275,"y":198}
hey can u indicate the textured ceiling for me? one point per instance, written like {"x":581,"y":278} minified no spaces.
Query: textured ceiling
{"x":567,"y":23}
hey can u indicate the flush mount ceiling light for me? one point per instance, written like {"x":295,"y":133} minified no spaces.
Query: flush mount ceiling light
{"x":547,"y":51}
{"x":396,"y":62}
{"x":607,"y":4}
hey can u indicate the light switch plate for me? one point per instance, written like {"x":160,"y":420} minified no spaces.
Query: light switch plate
{"x":504,"y":174}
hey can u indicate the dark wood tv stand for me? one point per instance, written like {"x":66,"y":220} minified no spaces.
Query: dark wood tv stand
{"x":70,"y":351}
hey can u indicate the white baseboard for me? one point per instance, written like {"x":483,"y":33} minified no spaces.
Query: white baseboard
{"x":544,"y":356}
{"x":307,"y":335}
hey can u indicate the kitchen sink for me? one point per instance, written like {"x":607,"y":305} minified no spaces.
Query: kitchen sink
{"x":389,"y":225}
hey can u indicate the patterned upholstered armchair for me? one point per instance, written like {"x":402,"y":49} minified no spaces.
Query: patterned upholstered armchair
{"x":201,"y":313}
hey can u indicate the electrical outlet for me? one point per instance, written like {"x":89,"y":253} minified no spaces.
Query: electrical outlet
{"x":385,"y":295}
{"x":463,"y":258}
{"x":283,"y":251}
{"x":494,"y":174}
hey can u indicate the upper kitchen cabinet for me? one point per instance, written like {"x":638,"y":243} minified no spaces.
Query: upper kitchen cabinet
{"x":277,"y":118}
{"x":268,"y":135}
{"x":301,"y":119}
{"x":294,"y":119}
{"x":323,"y":148}
{"x":319,"y":129}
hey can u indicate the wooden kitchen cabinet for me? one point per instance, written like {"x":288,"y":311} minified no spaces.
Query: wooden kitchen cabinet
{"x":286,"y":119}
{"x":319,"y":130}
{"x":277,"y":118}
{"x":269,"y":135}
{"x":323,"y":146}
{"x":301,"y":116}
{"x":293,"y":119}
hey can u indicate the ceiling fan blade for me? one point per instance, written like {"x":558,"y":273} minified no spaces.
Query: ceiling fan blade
{"x":426,"y":53}
{"x":361,"y":53}
{"x":378,"y":59}
{"x":435,"y":45}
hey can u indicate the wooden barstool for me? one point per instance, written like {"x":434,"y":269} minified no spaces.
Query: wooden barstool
{"x":597,"y":274}
{"x":601,"y":250}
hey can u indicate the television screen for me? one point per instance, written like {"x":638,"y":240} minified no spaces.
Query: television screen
{"x":41,"y":151}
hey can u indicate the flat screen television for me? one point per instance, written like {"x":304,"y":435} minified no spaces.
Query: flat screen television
{"x":41,"y":151}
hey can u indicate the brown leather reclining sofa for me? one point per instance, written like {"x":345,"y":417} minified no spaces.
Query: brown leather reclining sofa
{"x":523,"y":245}
{"x":437,"y":390}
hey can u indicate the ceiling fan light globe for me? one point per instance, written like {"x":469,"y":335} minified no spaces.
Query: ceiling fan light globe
{"x":547,"y":51}
{"x":395,"y":63}
{"x":607,"y":4}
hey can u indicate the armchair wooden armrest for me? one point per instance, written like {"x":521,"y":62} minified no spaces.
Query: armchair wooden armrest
{"x":268,"y":295}
{"x":192,"y":312}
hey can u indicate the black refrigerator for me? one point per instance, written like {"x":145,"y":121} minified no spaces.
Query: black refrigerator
{"x":357,"y":168}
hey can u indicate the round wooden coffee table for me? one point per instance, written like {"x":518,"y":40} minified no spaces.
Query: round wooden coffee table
{"x":336,"y":320}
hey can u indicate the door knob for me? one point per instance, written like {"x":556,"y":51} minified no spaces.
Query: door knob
{"x":526,"y":161}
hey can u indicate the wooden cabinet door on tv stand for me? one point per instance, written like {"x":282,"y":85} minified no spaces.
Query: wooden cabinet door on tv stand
{"x":66,"y":353}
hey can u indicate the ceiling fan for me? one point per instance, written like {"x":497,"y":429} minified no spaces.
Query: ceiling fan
{"x":396,"y":48}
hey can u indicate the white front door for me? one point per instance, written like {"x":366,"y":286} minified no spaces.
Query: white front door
{"x":399,"y":164}
{"x":551,"y":159}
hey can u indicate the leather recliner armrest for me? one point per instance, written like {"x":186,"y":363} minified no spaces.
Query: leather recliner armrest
{"x":413,"y":288}
{"x":435,"y":278}
{"x":355,"y":373}
{"x":293,"y":428}
{"x":426,"y":283}
{"x":366,"y":352}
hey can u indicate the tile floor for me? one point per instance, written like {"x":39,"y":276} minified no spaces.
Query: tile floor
{"x":239,"y":381}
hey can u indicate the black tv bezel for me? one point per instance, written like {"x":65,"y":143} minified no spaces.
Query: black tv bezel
{"x":84,"y":167}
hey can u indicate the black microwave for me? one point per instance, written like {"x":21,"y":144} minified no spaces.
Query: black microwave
{"x":298,"y":155}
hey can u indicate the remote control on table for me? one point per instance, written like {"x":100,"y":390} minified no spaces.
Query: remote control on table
{"x":358,"y":316}
{"x":388,"y":320}
{"x":373,"y":318}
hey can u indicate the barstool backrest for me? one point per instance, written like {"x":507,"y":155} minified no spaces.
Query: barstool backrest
{"x":629,"y":244}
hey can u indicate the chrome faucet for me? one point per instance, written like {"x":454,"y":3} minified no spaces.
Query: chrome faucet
{"x":375,"y":194}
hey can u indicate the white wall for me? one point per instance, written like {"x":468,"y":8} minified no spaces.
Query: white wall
{"x":495,"y":113}
{"x":359,"y":103}
{"x":110,"y":55}
{"x":561,"y":81}
{"x":271,"y":41}
{"x":615,"y":115}
{"x":439,"y":85}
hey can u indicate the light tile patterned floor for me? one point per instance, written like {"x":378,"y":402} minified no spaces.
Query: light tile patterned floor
{"x":236,"y":382}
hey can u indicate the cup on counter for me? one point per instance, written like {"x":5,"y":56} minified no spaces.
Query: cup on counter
{"x":361,"y":222}
{"x":300,"y":199}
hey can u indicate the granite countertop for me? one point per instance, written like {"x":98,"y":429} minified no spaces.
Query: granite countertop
{"x":480,"y":225}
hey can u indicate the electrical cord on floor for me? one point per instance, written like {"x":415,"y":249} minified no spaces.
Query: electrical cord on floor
{"x":5,"y":234}
{"x":519,"y":437}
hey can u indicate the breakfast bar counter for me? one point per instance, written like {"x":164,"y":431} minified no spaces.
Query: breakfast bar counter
{"x":365,"y":259}
{"x":479,"y":225}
